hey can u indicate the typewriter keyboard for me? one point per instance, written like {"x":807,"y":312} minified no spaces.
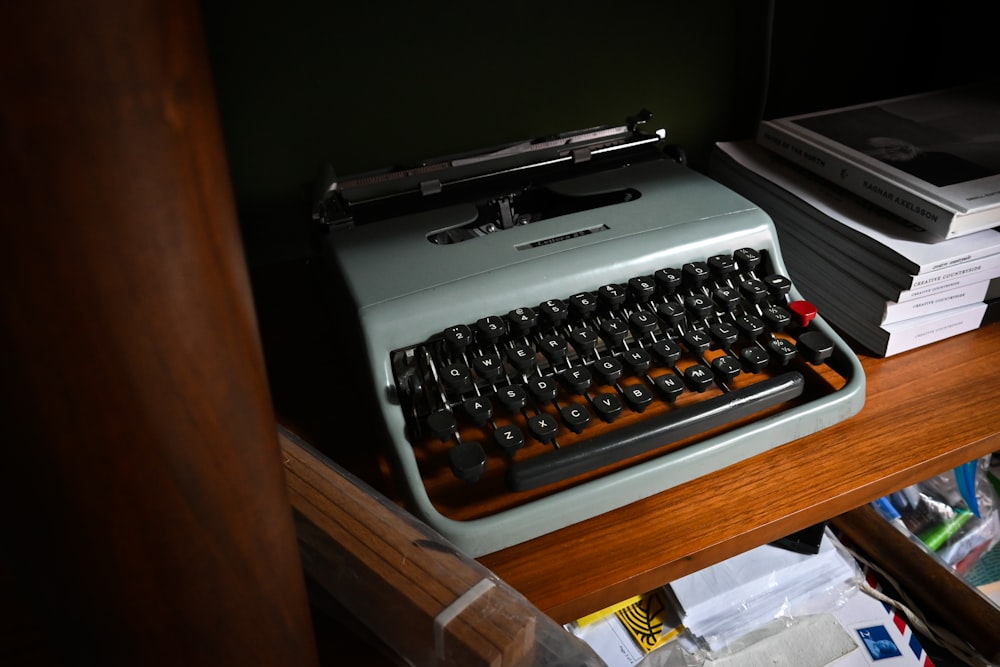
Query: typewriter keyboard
{"x":515,"y":405}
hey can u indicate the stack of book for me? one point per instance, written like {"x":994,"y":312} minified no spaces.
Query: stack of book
{"x":869,"y":243}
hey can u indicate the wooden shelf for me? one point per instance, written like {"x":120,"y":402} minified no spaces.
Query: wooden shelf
{"x":926,"y":411}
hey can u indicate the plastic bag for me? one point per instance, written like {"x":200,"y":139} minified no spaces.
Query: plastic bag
{"x":955,"y":514}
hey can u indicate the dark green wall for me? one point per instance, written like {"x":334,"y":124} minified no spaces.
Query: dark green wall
{"x":828,"y":54}
{"x":363,"y":85}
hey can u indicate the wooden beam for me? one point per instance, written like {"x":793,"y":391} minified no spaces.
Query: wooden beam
{"x":428,"y":602}
{"x":145,"y":510}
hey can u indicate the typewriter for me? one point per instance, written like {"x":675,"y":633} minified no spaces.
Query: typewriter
{"x":556,"y":328}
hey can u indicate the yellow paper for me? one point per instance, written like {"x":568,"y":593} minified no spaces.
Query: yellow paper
{"x":647,"y":620}
{"x":607,"y":611}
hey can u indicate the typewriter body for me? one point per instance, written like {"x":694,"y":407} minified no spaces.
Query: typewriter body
{"x":558,"y":328}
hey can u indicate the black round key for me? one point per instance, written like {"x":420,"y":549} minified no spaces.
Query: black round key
{"x":747,"y":259}
{"x":458,"y":337}
{"x":543,"y":427}
{"x":724,"y":333}
{"x":637,"y":360}
{"x":697,"y":341}
{"x":521,"y":357}
{"x":513,"y":397}
{"x":576,"y":417}
{"x":611,"y":296}
{"x":782,"y":350}
{"x":814,"y":346}
{"x":582,"y":304}
{"x":609,"y":369}
{"x":509,"y":438}
{"x":637,"y":396}
{"x":699,"y":377}
{"x":666,"y":351}
{"x":522,"y":320}
{"x":442,"y":423}
{"x":488,"y":366}
{"x":479,"y":408}
{"x":491,"y":328}
{"x":754,"y":290}
{"x":554,"y":310}
{"x":457,"y":377}
{"x":671,"y":312}
{"x":754,"y":358}
{"x":543,"y":389}
{"x":642,"y":323}
{"x":751,"y":326}
{"x":695,"y":273}
{"x":668,"y":280}
{"x":583,"y":339}
{"x":577,"y":379}
{"x":669,"y":385}
{"x":614,"y":331}
{"x":642,"y":288}
{"x":777,"y":317}
{"x":608,"y":406}
{"x":726,"y":298}
{"x":726,"y":367}
{"x":699,"y":305}
{"x":721,"y":265}
{"x":467,"y":460}
{"x":778,"y":284}
{"x":553,"y":347}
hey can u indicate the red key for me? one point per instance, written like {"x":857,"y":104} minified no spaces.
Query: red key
{"x":803,"y":311}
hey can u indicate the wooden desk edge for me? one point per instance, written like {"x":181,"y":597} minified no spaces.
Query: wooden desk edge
{"x":603,"y":596}
{"x":588,"y":582}
{"x":577,"y":595}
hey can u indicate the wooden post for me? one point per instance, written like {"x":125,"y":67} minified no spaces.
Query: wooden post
{"x":144,"y":505}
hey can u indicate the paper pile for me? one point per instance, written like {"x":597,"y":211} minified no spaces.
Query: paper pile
{"x":721,"y":603}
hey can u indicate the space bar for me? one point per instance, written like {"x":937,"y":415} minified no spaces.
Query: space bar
{"x":617,"y":445}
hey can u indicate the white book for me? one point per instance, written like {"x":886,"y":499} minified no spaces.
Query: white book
{"x":837,"y":300}
{"x":849,"y":291}
{"x":933,"y":158}
{"x":896,"y":311}
{"x":896,"y":245}
{"x":886,"y":340}
{"x":839,"y":255}
{"x":831,"y":262}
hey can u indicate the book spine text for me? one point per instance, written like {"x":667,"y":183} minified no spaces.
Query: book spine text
{"x":861,"y":182}
{"x":914,"y":333}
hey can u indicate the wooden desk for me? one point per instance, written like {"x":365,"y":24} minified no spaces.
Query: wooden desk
{"x":926,"y":411}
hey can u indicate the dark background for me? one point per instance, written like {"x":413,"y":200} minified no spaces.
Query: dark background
{"x":365,"y":85}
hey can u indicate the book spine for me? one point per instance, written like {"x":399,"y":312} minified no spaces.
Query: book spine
{"x":961,"y":275}
{"x":820,"y":204}
{"x":887,"y":340}
{"x":911,"y":334}
{"x":837,"y":261}
{"x":808,"y":254}
{"x":872,"y":187}
{"x":953,"y":298}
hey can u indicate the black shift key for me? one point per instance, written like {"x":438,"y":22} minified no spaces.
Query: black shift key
{"x":642,"y":436}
